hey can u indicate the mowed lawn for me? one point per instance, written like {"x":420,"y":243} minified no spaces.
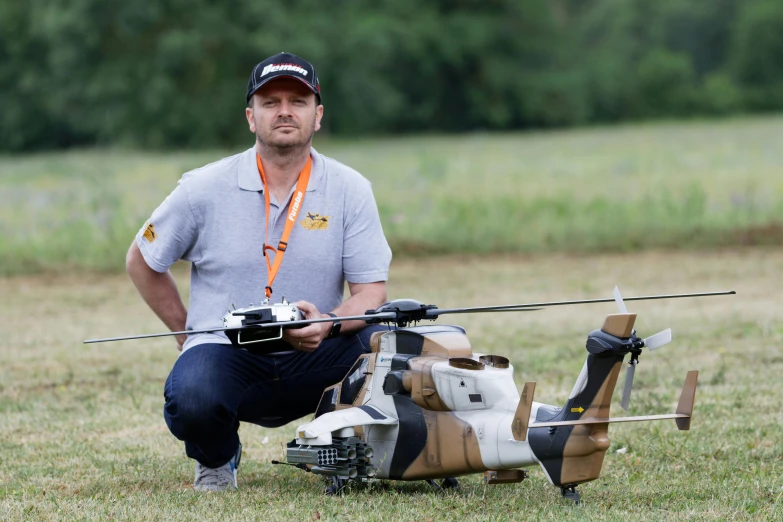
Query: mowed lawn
{"x":82,"y":435}
{"x":672,"y":185}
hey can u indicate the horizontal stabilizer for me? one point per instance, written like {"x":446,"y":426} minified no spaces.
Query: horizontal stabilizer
{"x":594,"y":420}
{"x":682,"y":416}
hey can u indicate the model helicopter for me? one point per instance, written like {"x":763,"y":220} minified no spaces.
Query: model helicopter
{"x":423,"y":406}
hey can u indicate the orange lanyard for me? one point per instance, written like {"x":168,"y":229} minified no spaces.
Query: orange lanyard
{"x":297,"y":200}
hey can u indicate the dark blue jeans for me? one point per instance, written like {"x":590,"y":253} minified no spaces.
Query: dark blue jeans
{"x":213,"y":387}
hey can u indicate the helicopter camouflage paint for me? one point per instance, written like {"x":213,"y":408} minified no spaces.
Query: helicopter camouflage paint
{"x":422,"y":405}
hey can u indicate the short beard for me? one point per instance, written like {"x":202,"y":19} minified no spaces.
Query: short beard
{"x":286,"y":149}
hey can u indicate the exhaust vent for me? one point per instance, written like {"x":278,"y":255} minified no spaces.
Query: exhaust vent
{"x":495,"y":361}
{"x":463,"y":363}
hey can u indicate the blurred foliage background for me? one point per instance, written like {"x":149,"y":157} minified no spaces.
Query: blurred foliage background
{"x":172,"y":73}
{"x":446,"y":106}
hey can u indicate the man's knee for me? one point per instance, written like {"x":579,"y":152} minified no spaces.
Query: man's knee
{"x":196,"y":400}
{"x":191,"y":412}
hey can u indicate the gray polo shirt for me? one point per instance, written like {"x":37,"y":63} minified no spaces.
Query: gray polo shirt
{"x":215,"y":218}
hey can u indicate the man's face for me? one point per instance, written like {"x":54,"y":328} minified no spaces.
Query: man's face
{"x":285,"y":113}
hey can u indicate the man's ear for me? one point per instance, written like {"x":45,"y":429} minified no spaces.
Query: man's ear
{"x":251,"y":122}
{"x":319,"y":113}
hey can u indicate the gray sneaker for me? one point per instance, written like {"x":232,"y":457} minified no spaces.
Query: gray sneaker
{"x":218,"y":479}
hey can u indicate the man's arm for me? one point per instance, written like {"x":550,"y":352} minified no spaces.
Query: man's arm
{"x":364,"y":296}
{"x":158,"y":290}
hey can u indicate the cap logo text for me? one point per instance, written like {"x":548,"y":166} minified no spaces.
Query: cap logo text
{"x":283,"y":67}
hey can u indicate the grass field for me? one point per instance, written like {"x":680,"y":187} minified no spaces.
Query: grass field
{"x":672,"y":185}
{"x":82,"y":435}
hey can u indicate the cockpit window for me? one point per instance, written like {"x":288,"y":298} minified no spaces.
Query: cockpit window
{"x":353,"y":382}
{"x":328,"y":401}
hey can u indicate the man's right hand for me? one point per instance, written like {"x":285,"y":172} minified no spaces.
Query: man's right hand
{"x":308,"y":339}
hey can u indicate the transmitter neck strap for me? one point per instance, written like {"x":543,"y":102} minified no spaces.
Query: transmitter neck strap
{"x":294,"y":206}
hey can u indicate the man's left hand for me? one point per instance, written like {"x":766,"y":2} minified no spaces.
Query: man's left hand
{"x":308,"y":338}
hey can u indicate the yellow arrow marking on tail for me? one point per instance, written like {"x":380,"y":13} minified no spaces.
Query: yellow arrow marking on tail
{"x":577,"y":410}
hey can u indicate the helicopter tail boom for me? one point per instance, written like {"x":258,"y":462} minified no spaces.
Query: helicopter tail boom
{"x":570,"y":442}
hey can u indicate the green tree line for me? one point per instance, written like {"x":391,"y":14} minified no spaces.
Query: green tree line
{"x":172,"y":73}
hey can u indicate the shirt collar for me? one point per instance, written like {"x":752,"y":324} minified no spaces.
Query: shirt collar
{"x":249,"y":179}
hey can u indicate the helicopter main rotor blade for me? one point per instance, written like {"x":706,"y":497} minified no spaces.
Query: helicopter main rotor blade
{"x":393,"y":316}
{"x":148,"y":336}
{"x":435,"y":312}
{"x":629,"y":373}
{"x":619,"y":300}
{"x":660,"y":339}
{"x":519,"y":307}
{"x":261,"y":326}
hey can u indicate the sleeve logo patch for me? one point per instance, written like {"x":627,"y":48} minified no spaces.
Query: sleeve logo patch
{"x":149,"y":233}
{"x":315,"y":222}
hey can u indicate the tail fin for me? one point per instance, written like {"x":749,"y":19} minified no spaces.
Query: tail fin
{"x":687,"y":397}
{"x":570,"y":443}
{"x":522,"y":416}
{"x":577,"y":446}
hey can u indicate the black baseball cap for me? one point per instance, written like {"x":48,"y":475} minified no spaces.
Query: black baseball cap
{"x":283,"y":65}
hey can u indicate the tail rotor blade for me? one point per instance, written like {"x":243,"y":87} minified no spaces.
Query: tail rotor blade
{"x":660,"y":339}
{"x":629,"y":373}
{"x":619,"y":300}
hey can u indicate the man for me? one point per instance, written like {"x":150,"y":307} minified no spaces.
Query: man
{"x":228,"y":219}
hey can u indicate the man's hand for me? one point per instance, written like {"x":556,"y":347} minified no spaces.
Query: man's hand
{"x":308,"y":338}
{"x":364,"y":296}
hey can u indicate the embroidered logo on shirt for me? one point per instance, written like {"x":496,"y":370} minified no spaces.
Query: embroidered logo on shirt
{"x":149,"y":233}
{"x":315,"y":222}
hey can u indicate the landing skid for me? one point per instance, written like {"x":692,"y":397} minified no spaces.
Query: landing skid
{"x":337,"y":486}
{"x":571,"y":493}
{"x":448,"y":483}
